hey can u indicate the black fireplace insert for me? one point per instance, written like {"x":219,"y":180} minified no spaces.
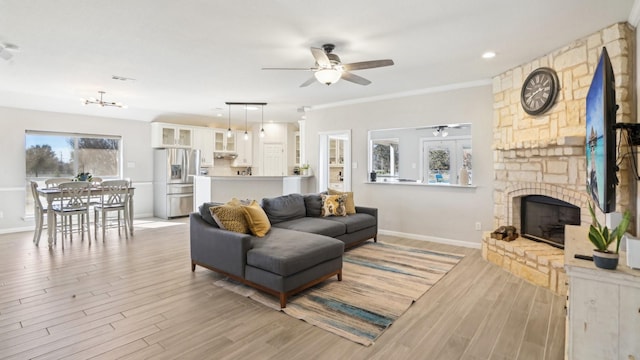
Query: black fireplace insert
{"x":543,"y":218}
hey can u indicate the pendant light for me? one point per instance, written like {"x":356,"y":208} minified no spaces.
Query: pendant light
{"x":246,"y":134}
{"x":262,"y":123}
{"x":229,"y":129}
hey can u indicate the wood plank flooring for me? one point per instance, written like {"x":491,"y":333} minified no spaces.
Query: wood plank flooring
{"x":138,"y":299}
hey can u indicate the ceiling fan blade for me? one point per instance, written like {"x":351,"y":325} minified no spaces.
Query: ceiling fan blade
{"x":308,"y":82}
{"x":286,"y":68}
{"x":355,"y":78}
{"x":367,"y":64}
{"x":321,"y":57}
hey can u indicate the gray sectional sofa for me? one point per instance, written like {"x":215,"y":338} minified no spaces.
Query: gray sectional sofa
{"x":301,"y":249}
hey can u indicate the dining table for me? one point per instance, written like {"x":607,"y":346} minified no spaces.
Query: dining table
{"x":53,"y":193}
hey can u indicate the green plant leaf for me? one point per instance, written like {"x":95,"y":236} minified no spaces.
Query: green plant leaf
{"x":596,"y":238}
{"x":622,"y":228}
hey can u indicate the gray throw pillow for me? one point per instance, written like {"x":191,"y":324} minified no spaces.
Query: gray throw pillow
{"x":283,"y":208}
{"x":206,"y":214}
{"x":313,"y":204}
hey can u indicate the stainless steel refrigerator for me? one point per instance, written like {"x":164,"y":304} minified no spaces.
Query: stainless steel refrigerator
{"x":174,"y":170}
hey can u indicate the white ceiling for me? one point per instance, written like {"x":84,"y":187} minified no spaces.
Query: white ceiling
{"x":189,"y":57}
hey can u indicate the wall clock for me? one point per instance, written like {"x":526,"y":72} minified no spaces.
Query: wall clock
{"x":539,"y":91}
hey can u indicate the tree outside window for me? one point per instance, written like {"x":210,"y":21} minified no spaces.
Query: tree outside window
{"x":385,"y":157}
{"x":50,"y":155}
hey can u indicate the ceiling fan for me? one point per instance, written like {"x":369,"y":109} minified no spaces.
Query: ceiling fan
{"x":329,"y":69}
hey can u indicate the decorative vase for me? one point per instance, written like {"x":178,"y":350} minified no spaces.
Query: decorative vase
{"x":605,"y":260}
{"x":373,"y":176}
{"x":464,"y":176}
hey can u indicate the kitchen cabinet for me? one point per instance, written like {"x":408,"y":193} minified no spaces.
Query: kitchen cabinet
{"x":297,"y":148}
{"x":203,"y":141}
{"x":244,"y":150}
{"x":222,"y":142}
{"x":170,"y":135}
{"x":336,"y":151}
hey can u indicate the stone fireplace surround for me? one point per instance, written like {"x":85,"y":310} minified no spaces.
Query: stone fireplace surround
{"x":545,"y":155}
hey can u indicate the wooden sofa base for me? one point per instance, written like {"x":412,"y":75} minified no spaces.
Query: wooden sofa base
{"x":360,"y":242}
{"x":281,"y":295}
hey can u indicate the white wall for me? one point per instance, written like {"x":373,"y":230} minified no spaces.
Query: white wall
{"x":438,"y":213}
{"x":136,"y":144}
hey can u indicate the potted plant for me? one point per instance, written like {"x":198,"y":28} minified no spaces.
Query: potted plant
{"x":601,"y":237}
{"x":305,"y":168}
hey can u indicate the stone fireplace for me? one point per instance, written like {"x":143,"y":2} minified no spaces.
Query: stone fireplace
{"x":545,"y":154}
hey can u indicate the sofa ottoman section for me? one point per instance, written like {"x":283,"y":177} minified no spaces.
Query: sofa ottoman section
{"x":285,"y":262}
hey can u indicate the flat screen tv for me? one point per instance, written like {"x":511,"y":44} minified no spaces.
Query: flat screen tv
{"x":601,"y":136}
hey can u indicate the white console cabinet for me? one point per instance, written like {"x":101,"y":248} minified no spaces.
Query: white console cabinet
{"x":603,"y":309}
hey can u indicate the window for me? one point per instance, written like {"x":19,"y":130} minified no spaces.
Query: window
{"x":385,"y":157}
{"x":444,"y":158}
{"x":49,"y":154}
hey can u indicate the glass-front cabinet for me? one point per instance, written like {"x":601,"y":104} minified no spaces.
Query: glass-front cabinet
{"x":336,"y":151}
{"x":222,"y":142}
{"x":297,"y":155}
{"x":170,"y":135}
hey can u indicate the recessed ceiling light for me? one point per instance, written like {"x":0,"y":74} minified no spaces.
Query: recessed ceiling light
{"x":489,"y":55}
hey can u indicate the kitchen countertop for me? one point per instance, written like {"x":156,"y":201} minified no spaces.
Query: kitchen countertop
{"x":253,"y":177}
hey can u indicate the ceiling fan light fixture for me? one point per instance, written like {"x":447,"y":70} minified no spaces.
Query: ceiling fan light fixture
{"x":328,"y":76}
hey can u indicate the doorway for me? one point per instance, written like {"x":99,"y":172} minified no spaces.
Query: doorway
{"x":273,"y":159}
{"x":334,"y":166}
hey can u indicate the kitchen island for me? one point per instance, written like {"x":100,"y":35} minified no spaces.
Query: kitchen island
{"x":223,"y":188}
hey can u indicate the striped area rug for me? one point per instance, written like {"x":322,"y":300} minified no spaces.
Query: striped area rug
{"x":379,"y":283}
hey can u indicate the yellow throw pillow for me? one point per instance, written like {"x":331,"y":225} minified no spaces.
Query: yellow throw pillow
{"x":257,"y":219}
{"x":333,"y":205}
{"x":230,"y":217}
{"x":350,"y":204}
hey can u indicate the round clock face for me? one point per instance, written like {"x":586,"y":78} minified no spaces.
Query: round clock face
{"x":539,"y":91}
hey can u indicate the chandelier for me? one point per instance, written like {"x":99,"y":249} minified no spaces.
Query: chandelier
{"x":247,"y":107}
{"x":103,"y":103}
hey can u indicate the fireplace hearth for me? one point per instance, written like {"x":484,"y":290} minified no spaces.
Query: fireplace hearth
{"x":543,"y":218}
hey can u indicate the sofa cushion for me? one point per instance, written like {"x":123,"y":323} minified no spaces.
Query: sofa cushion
{"x":283,"y":208}
{"x":355,"y":222}
{"x":350,"y":204}
{"x":257,"y":219}
{"x":230,"y":217}
{"x":320,"y":226}
{"x":205,"y":213}
{"x":333,"y":205}
{"x":287,"y":252}
{"x":313,"y":204}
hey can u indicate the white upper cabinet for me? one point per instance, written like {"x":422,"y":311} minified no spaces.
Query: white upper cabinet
{"x":171,"y":135}
{"x":203,"y":141}
{"x":244,"y":149}
{"x":222,"y":142}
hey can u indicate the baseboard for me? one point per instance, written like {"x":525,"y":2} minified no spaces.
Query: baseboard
{"x":16,"y":229}
{"x":431,"y":238}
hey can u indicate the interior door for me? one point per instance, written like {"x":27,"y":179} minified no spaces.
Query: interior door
{"x":273,"y":160}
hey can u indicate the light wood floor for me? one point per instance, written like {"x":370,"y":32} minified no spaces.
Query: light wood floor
{"x":137,"y":299}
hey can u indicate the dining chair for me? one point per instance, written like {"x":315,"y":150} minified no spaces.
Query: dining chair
{"x":74,"y":200}
{"x":39,"y":212}
{"x":114,"y":197}
{"x":54,"y":182}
